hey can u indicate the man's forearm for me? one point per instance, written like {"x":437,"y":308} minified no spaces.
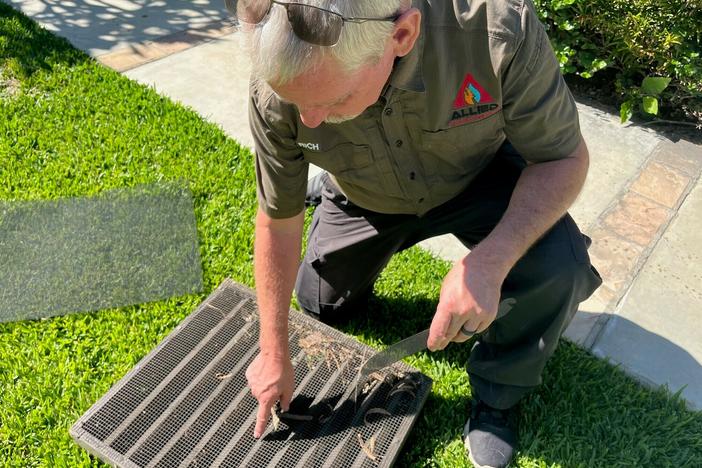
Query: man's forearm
{"x":541,"y":197}
{"x":276,"y":260}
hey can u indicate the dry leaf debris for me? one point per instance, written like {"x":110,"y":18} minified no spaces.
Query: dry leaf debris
{"x":316,"y":344}
{"x":367,"y":447}
{"x":275,"y":419}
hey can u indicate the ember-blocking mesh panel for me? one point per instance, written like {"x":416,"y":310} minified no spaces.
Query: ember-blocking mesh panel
{"x":122,"y":247}
{"x":187,"y":403}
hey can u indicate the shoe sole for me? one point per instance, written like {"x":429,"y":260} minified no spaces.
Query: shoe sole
{"x":466,"y":445}
{"x":472,"y":460}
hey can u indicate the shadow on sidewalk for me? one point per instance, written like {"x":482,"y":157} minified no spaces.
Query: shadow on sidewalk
{"x":100,"y":26}
{"x":648,"y":356}
{"x":587,"y":412}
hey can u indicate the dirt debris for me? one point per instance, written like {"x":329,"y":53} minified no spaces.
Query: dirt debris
{"x":373,"y":379}
{"x":9,"y":86}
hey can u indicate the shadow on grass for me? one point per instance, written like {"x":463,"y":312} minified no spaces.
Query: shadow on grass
{"x":587,"y":412}
{"x":26,"y":48}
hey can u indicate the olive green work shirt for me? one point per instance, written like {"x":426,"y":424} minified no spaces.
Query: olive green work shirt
{"x":482,"y":71}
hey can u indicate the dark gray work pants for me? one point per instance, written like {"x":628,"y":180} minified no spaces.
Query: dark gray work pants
{"x":349,"y":246}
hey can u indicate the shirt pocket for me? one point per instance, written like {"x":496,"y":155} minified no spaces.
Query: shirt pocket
{"x":348,"y":163}
{"x":455,"y":152}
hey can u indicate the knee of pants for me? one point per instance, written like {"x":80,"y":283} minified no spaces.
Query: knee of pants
{"x":559,"y":260}
{"x":574,"y":272}
{"x":326,"y":302}
{"x":586,"y":280}
{"x":547,"y":295}
{"x":571,"y":274}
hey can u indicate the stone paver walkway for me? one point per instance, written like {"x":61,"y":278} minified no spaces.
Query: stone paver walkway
{"x":642,"y":202}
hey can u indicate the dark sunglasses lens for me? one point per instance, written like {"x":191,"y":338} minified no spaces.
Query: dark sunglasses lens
{"x":248,"y":11}
{"x":315,"y":26}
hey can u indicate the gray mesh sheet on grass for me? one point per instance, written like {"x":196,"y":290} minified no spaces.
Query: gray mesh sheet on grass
{"x":123,"y":247}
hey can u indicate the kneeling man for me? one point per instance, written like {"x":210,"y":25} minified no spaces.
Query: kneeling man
{"x":428,"y":118}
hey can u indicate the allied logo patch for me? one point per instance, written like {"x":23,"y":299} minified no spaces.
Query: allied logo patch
{"x":472,"y":102}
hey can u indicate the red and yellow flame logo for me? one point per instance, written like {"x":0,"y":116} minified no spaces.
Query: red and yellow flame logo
{"x":471,"y":93}
{"x":468,"y":96}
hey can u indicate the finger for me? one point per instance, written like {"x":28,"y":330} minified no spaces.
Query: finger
{"x":484,"y":325}
{"x":285,"y":398}
{"x":467,"y":331}
{"x":437,"y":331}
{"x":454,"y":328}
{"x":485,"y":322}
{"x":250,"y":378}
{"x":264,"y":410}
{"x":461,"y":338}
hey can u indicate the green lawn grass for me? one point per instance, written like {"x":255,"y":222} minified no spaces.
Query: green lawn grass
{"x":69,"y":127}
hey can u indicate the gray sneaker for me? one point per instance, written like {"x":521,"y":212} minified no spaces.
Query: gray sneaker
{"x":488,"y":437}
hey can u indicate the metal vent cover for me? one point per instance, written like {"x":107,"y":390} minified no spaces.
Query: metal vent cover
{"x":187,"y":402}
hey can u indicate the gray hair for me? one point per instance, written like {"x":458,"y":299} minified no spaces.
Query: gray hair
{"x":278,"y":55}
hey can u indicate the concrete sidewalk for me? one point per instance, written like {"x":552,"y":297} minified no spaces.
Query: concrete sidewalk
{"x":642,"y":202}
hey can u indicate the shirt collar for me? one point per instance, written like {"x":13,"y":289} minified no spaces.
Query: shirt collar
{"x":407,"y":72}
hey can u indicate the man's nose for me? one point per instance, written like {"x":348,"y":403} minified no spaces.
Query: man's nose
{"x":313,"y":117}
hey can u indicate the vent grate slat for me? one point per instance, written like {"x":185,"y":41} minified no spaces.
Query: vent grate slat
{"x":113,"y":413}
{"x":175,"y":384}
{"x":189,"y":404}
{"x":198,"y":427}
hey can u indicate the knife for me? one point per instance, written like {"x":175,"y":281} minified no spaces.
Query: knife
{"x":407,"y":347}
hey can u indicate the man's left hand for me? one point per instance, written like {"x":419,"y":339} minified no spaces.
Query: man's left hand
{"x":468,"y":303}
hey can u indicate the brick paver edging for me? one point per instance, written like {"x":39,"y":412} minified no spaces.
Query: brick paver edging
{"x":626,"y":233}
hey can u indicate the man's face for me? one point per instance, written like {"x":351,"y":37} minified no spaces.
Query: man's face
{"x":329,"y":95}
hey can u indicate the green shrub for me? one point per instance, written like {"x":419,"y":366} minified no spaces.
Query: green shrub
{"x":633,"y":40}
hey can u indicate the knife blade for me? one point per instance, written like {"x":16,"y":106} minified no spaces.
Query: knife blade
{"x":407,"y":347}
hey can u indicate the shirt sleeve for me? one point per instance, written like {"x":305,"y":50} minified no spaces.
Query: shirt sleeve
{"x":281,"y":171}
{"x":541,"y":119}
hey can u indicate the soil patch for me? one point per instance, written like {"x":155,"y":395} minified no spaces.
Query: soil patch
{"x":9,"y":86}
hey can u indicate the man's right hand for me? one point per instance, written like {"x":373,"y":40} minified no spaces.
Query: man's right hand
{"x":271,"y":378}
{"x":276,"y":259}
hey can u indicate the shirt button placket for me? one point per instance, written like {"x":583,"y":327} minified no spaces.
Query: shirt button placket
{"x":395,"y":132}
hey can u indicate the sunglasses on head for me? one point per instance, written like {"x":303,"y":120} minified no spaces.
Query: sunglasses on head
{"x":310,"y":23}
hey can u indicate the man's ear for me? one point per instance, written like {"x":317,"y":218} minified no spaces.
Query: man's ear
{"x":407,"y":28}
